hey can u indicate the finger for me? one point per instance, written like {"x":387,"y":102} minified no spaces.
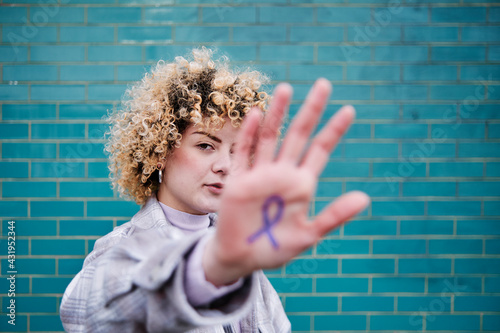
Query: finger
{"x":245,"y":140}
{"x":340,"y":211}
{"x":304,"y":123}
{"x":327,"y":139}
{"x":268,"y":136}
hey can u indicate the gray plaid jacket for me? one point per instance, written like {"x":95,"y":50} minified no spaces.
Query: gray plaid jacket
{"x":133,"y":282}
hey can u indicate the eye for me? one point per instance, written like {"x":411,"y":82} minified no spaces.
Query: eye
{"x":205,"y":146}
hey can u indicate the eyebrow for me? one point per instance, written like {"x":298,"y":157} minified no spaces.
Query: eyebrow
{"x":216,"y":139}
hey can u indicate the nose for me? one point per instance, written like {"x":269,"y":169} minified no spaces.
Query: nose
{"x":222,"y":162}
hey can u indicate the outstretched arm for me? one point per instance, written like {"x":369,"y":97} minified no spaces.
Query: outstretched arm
{"x":263,"y":215}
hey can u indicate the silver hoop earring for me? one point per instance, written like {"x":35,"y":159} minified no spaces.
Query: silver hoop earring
{"x":160,"y":176}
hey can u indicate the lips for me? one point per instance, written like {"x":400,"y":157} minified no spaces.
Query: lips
{"x":215,"y":188}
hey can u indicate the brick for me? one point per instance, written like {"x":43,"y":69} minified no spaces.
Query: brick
{"x":86,"y":34}
{"x":33,"y":266}
{"x":272,"y":14}
{"x":131,"y":72}
{"x":458,"y":53}
{"x":371,"y":227}
{"x":112,"y":208}
{"x":28,"y":111}
{"x":401,"y":92}
{"x":458,"y":14}
{"x":56,"y":208}
{"x":424,"y":303}
{"x":33,"y":304}
{"x":344,"y":52}
{"x":12,"y":209}
{"x":290,"y":53}
{"x":171,"y":14}
{"x":85,"y":227}
{"x":69,"y":266}
{"x":46,"y":323}
{"x":85,"y":189}
{"x":400,"y":131}
{"x":430,"y":34}
{"x":454,"y":285}
{"x":492,"y":246}
{"x":14,"y":131}
{"x":492,"y":169}
{"x":14,"y":170}
{"x":371,"y":150}
{"x":481,"y":34}
{"x":462,"y":131}
{"x":426,"y":227}
{"x":373,"y":189}
{"x":403,"y":169}
{"x":98,"y":170}
{"x":29,"y":73}
{"x":479,"y":73}
{"x":493,"y":131}
{"x":21,"y":324}
{"x":430,"y":111}
{"x":425,"y":149}
{"x":314,"y":266}
{"x":292,"y":284}
{"x":367,"y":303}
{"x":261,"y":33}
{"x":477,"y":266}
{"x":28,"y":150}
{"x":396,"y":322}
{"x":57,"y":15}
{"x":13,"y":14}
{"x":469,"y":208}
{"x":343,"y":14}
{"x":373,"y":73}
{"x":479,"y":189}
{"x":316,"y":34}
{"x":106,"y":92}
{"x":492,"y":284}
{"x":398,"y":284}
{"x":57,"y":247}
{"x":427,"y":266}
{"x":341,"y":285}
{"x":440,"y":189}
{"x":113,"y":14}
{"x":274,"y":72}
{"x":367,"y":266}
{"x":301,"y":323}
{"x":58,"y":131}
{"x":32,"y":227}
{"x":87,"y":73}
{"x":358,"y":131}
{"x":486,"y":149}
{"x":50,"y":285}
{"x":148,"y":33}
{"x":83,"y":111}
{"x":478,"y":227}
{"x":311,"y":303}
{"x":491,"y":322}
{"x":395,"y":208}
{"x":114,"y":53}
{"x":339,"y":322}
{"x":455,"y":246}
{"x":329,"y":189}
{"x":429,"y":73}
{"x":13,"y":53}
{"x":373,"y":33}
{"x":57,"y":92}
{"x":21,"y":246}
{"x":57,"y":53}
{"x":37,"y":189}
{"x":399,"y":246}
{"x":202,"y":34}
{"x":13,"y":92}
{"x":454,"y":322}
{"x":401,"y":53}
{"x":57,"y":169}
{"x":82,"y":150}
{"x":22,"y":286}
{"x":491,"y":208}
{"x":343,"y":246}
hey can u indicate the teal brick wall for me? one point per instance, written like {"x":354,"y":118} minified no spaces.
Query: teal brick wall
{"x":424,"y":77}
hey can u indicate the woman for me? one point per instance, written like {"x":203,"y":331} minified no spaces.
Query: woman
{"x":182,"y":150}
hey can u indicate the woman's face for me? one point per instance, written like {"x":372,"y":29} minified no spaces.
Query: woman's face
{"x":196,"y":172}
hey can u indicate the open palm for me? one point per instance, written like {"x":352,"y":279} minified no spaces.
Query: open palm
{"x":263,"y":214}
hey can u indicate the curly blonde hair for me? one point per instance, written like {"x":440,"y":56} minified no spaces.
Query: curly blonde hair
{"x":157,"y":110}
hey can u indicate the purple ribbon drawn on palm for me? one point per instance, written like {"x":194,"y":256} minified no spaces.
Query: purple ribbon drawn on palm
{"x":268,"y":222}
